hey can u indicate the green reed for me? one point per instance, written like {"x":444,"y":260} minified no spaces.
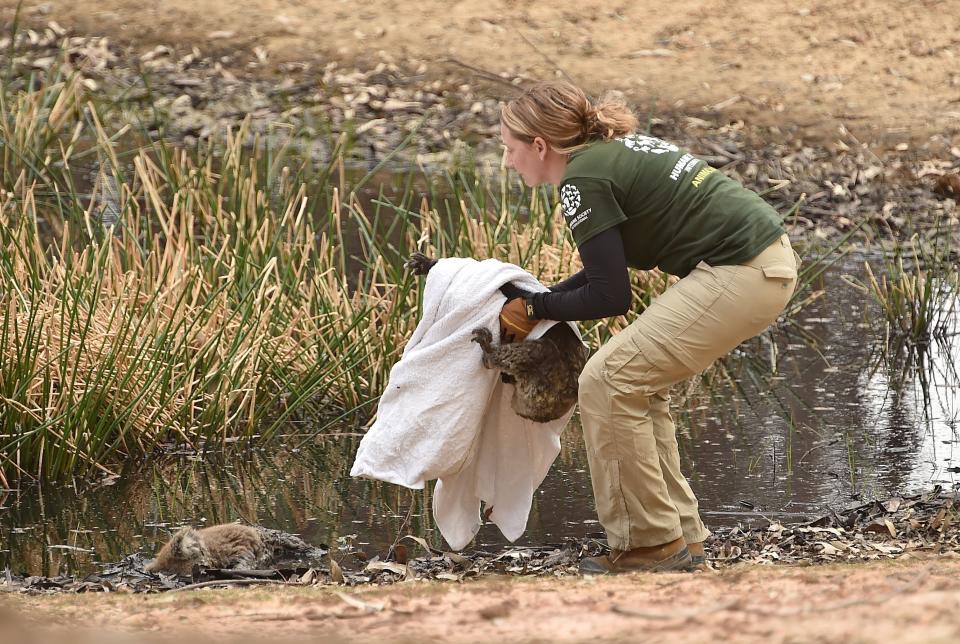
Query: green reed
{"x":916,"y":287}
{"x":152,"y":295}
{"x":211,"y":296}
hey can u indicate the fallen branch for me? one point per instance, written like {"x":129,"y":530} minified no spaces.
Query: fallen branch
{"x":547,"y":58}
{"x":481,"y":72}
{"x":230,"y":582}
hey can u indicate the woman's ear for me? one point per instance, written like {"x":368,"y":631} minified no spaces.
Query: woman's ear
{"x":541,"y":147}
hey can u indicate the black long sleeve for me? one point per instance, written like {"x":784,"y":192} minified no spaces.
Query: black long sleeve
{"x":600,"y":290}
{"x":575,"y":281}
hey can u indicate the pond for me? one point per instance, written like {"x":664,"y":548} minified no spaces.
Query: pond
{"x":843,"y":418}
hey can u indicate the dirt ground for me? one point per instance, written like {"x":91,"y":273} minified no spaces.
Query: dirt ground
{"x":915,"y":600}
{"x":887,"y":71}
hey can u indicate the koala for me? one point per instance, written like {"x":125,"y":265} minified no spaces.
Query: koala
{"x":228,"y":545}
{"x":420,"y":264}
{"x":544,"y":371}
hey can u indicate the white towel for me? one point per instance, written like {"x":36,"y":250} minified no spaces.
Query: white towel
{"x":445,"y":416}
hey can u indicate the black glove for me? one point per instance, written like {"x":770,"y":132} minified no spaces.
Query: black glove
{"x":511,"y":291}
{"x":516,"y":320}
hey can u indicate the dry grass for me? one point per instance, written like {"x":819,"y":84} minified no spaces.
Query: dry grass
{"x":207,"y":297}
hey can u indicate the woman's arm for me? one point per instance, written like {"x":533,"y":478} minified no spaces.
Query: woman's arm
{"x":575,"y":281}
{"x":600,"y":290}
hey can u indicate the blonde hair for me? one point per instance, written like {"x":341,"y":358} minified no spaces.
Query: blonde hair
{"x":562,"y":114}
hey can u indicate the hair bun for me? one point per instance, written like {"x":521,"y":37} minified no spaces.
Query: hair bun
{"x":565,"y":117}
{"x":589,"y":120}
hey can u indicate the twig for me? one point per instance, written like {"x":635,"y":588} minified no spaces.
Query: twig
{"x":547,"y":58}
{"x":815,"y":447}
{"x":268,"y":617}
{"x":406,"y":520}
{"x":481,"y":72}
{"x":229,"y":582}
{"x":357,"y":603}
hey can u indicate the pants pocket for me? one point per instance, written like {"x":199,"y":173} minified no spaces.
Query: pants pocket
{"x":635,"y":367}
{"x":779,"y":271}
{"x":782,"y":274}
{"x":631,"y":384}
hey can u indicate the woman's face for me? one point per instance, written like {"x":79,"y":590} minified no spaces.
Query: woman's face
{"x":528,"y":159}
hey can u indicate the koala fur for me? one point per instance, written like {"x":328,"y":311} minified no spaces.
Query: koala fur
{"x":228,"y":545}
{"x":544,"y":371}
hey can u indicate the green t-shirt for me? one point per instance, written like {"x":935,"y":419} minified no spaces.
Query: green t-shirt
{"x":673,"y":210}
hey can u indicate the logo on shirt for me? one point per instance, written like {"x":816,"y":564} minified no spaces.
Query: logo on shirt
{"x":570,"y":199}
{"x":650,"y":144}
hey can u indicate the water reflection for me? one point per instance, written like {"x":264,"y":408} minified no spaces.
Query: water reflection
{"x":852,"y":416}
{"x":845,"y":416}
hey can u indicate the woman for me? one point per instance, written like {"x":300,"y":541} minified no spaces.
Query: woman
{"x":635,"y":200}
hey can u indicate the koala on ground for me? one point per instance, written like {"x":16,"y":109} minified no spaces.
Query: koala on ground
{"x":544,"y":371}
{"x":228,"y":545}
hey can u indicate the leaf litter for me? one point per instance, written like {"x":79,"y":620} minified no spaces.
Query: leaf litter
{"x":190,"y":96}
{"x":880,"y":529}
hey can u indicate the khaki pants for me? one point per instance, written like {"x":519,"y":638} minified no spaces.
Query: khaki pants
{"x":642,"y":498}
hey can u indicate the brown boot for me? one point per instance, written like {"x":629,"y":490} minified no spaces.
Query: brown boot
{"x":698,"y":558}
{"x":672,"y":556}
{"x":697,"y":554}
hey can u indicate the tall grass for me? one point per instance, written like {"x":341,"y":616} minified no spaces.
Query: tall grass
{"x":916,"y":287}
{"x":916,"y":303}
{"x":216,"y":295}
{"x":211,"y":296}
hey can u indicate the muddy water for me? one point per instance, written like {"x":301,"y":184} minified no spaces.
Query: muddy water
{"x":840,"y":420}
